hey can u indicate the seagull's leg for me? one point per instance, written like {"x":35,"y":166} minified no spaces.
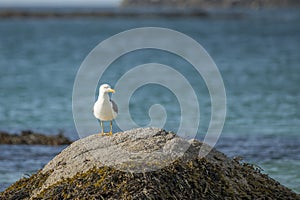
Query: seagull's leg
{"x":101,"y":123}
{"x":110,"y":132}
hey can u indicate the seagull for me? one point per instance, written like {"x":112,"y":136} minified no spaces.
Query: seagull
{"x":104,"y":108}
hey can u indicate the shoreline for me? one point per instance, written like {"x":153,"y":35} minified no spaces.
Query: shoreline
{"x":213,"y":4}
{"x":130,"y":12}
{"x":97,"y":12}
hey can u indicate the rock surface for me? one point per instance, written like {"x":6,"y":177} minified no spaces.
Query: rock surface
{"x":145,"y":163}
{"x":31,"y":138}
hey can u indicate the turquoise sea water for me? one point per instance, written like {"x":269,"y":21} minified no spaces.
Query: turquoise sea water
{"x":257,"y":54}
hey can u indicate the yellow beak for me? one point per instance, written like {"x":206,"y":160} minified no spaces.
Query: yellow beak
{"x":111,"y":90}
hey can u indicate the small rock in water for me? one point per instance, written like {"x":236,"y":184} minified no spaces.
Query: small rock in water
{"x":32,"y":138}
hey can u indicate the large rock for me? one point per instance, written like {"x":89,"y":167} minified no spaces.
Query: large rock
{"x":145,"y":163}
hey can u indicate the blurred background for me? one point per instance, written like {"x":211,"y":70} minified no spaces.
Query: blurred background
{"x":255,"y":44}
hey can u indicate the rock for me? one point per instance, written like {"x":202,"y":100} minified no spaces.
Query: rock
{"x":145,"y":163}
{"x":31,"y":138}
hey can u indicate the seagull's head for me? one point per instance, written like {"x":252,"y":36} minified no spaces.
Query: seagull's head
{"x":105,"y":88}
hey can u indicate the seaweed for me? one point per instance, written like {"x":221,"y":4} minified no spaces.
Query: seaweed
{"x":183,"y":179}
{"x":23,"y":188}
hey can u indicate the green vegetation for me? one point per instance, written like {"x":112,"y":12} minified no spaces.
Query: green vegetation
{"x":189,"y":179}
{"x":23,"y":188}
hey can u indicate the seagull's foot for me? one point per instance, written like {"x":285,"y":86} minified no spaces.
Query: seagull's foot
{"x":105,"y":134}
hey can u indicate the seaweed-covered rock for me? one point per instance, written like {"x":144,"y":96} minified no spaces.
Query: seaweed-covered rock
{"x":32,"y":138}
{"x":145,"y":163}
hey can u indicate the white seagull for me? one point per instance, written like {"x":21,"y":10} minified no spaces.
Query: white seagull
{"x":104,"y":108}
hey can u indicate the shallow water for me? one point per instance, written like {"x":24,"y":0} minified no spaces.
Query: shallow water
{"x":257,"y":55}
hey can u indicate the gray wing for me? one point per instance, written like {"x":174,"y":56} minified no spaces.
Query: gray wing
{"x":114,"y":106}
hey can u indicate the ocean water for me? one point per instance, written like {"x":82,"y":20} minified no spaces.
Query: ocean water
{"x":256,"y":52}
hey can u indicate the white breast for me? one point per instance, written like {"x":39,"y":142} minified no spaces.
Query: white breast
{"x":103,"y":110}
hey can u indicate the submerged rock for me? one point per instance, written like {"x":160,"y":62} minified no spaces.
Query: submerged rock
{"x":145,"y":163}
{"x":31,"y":138}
